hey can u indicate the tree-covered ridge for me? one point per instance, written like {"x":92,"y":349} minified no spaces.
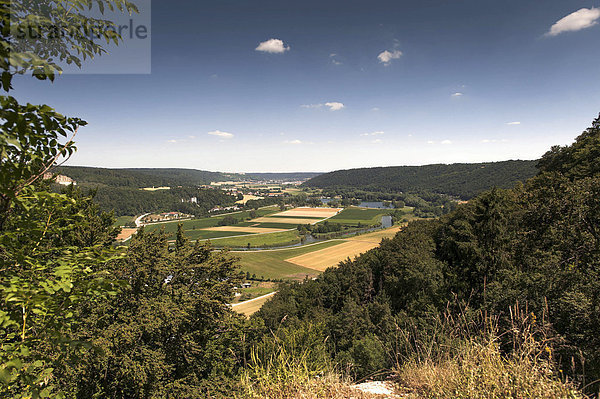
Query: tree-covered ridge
{"x":537,"y":245}
{"x":145,"y":177}
{"x":460,"y":180}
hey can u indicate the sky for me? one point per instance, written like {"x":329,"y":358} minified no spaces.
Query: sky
{"x":315,"y":86}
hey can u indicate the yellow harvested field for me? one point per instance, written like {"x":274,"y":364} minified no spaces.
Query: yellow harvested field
{"x":244,"y":229}
{"x":285,"y":220}
{"x":252,"y":306}
{"x":248,"y":198}
{"x":125,"y":234}
{"x":311,"y":212}
{"x":324,"y":258}
{"x":378,"y":235}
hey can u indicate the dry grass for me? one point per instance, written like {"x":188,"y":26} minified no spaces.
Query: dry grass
{"x":328,"y":387}
{"x":474,"y":366}
{"x":322,"y":259}
{"x":290,"y":221}
{"x":310,"y":212}
{"x":251,"y":306}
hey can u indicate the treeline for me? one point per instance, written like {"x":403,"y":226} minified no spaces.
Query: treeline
{"x":532,"y":250}
{"x":126,"y":201}
{"x":144,"y":177}
{"x":459,"y":180}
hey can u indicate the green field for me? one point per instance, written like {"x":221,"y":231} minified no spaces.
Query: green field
{"x":190,"y":225}
{"x":268,"y":225}
{"x":123,"y":220}
{"x":278,"y":239}
{"x":207,"y":234}
{"x":352,"y":216}
{"x":272,"y":264}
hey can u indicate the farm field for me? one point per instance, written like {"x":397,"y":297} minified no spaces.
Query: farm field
{"x":320,"y":213}
{"x":125,"y":234}
{"x":208,"y":234}
{"x":259,"y":240}
{"x":351,"y":247}
{"x":292,"y":221}
{"x":123,"y":220}
{"x":353,"y":216}
{"x":243,"y":229}
{"x":252,"y":306}
{"x":272,"y":264}
{"x":171,"y":227}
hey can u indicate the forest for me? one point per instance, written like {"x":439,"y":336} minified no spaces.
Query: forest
{"x":459,"y":180}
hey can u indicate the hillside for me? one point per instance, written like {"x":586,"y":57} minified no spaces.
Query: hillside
{"x":144,"y":177}
{"x":461,"y":180}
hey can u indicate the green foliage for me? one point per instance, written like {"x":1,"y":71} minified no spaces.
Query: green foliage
{"x":37,"y":35}
{"x":461,"y":180}
{"x":169,"y":332}
{"x":29,"y":144}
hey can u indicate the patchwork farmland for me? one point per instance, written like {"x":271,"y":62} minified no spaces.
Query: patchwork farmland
{"x":271,"y":228}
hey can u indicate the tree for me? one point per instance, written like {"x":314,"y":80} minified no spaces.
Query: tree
{"x":49,"y":263}
{"x":168,"y":332}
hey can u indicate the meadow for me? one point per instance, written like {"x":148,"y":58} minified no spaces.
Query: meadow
{"x":258,"y":240}
{"x":353,"y":216}
{"x":272,"y":263}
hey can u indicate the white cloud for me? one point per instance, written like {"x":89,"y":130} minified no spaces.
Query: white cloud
{"x":375,"y":109}
{"x":387,"y":56}
{"x":172,"y":141}
{"x":430,"y":142}
{"x":377,"y":141}
{"x":379,"y":133}
{"x":580,"y":19}
{"x":513,"y":123}
{"x":333,"y":106}
{"x":273,"y":46}
{"x":293,"y":142}
{"x":446,"y":142}
{"x":221,"y":134}
{"x":458,"y":94}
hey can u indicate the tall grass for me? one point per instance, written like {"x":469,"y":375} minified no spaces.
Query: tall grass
{"x":470,"y":356}
{"x":461,"y":354}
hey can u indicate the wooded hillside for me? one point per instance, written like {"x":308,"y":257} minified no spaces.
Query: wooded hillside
{"x":460,"y":180}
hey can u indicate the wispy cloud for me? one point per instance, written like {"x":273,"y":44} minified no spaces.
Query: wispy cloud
{"x":386,"y":57}
{"x":223,"y":135}
{"x":273,"y":46}
{"x":485,"y":141}
{"x":334,"y":59}
{"x":173,"y":141}
{"x":443,"y":142}
{"x":457,"y":94}
{"x":297,"y":142}
{"x":333,"y":106}
{"x":578,"y":20}
{"x":377,"y":141}
{"x":379,"y":133}
{"x":513,"y":123}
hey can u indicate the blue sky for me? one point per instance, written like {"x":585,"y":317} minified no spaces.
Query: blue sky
{"x":343,"y":84}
